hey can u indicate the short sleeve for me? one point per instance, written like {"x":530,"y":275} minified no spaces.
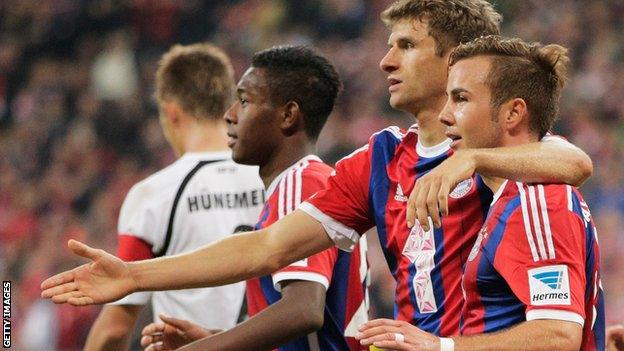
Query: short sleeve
{"x":541,"y":257}
{"x":342,"y":207}
{"x":317,"y":268}
{"x":140,"y":219}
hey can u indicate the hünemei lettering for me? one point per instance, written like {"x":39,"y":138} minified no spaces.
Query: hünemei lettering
{"x":6,"y":314}
{"x":550,"y":296}
{"x":210,"y":201}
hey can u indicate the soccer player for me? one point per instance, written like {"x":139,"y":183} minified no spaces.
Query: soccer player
{"x":532,"y":278}
{"x":167,"y":213}
{"x":284,"y":99}
{"x":370,"y":188}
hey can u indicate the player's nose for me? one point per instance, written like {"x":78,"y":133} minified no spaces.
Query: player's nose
{"x":230,"y":114}
{"x":446,"y":115}
{"x":389,"y":62}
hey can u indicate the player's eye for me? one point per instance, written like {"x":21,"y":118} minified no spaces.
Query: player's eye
{"x":460,"y":98}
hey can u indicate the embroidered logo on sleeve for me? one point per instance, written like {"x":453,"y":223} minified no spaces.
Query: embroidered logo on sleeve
{"x":549,"y":285}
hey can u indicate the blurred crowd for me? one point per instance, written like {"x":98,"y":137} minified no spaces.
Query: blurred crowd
{"x":78,"y":122}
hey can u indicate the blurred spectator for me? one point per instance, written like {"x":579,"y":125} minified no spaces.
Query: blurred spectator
{"x":78,"y":123}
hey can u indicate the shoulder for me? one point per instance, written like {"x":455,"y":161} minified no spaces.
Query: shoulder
{"x":316,"y":169}
{"x":158,"y":185}
{"x":392,"y":134}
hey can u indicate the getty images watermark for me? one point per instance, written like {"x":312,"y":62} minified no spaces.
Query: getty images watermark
{"x":6,"y":314}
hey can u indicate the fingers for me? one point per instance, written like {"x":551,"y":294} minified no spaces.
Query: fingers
{"x":432,"y":205}
{"x":421,"y":209}
{"x":152,"y":333}
{"x":175,"y":322}
{"x":153,"y":328}
{"x":147,"y":340}
{"x":394,"y":345}
{"x":411,"y":212}
{"x":157,"y":346}
{"x":443,"y":194}
{"x":58,"y":290}
{"x":80,"y":301}
{"x":64,"y":297}
{"x":379,"y":322}
{"x":83,"y":250}
{"x":59,"y":279}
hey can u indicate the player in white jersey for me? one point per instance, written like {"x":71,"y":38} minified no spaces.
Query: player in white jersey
{"x":168,"y":212}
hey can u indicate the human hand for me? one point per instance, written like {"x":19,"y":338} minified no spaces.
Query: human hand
{"x":105,"y":279}
{"x":172,"y":334}
{"x":615,"y":338}
{"x":396,"y":335}
{"x":430,"y":195}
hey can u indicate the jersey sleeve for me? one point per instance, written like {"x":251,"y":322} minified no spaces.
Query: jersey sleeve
{"x":319,"y":267}
{"x":541,"y":255}
{"x":136,"y":228}
{"x":141,"y":225}
{"x":342,"y":207}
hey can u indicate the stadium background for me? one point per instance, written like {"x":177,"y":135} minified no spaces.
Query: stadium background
{"x":78,"y":123}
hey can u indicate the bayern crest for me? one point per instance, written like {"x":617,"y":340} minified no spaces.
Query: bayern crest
{"x":461,"y":189}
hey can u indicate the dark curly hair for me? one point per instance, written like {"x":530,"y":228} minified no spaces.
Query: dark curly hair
{"x":299,"y":74}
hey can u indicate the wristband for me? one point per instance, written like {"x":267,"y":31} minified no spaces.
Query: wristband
{"x":447,"y":344}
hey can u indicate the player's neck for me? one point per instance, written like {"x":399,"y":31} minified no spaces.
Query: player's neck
{"x":285,"y":156}
{"x":205,"y":137}
{"x":494,"y":183}
{"x":430,"y":129}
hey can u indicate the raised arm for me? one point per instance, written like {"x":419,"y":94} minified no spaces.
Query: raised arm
{"x":552,"y":160}
{"x":534,"y":335}
{"x":236,"y":258}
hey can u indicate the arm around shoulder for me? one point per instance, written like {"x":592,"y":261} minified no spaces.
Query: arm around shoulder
{"x":552,"y":160}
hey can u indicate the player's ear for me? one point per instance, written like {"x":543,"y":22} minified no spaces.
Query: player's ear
{"x":172,"y":112}
{"x":291,"y":117}
{"x":514,"y":113}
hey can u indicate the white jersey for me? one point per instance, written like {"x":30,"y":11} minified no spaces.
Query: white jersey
{"x":199,"y":199}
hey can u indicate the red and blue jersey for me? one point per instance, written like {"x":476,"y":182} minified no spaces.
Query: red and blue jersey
{"x":370,"y":188}
{"x":343,"y":274}
{"x":536,"y":257}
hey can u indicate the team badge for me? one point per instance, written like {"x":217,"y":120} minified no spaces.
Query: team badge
{"x":461,"y":189}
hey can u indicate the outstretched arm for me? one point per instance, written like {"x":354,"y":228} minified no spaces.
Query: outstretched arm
{"x":534,"y":335}
{"x":552,"y":160}
{"x":233,"y":259}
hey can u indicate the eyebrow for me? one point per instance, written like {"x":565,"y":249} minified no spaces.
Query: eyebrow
{"x":402,"y":38}
{"x":458,"y":91}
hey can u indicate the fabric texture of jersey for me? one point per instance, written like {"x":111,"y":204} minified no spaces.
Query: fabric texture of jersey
{"x":536,"y":257}
{"x":343,"y":274}
{"x":370,"y":188}
{"x":199,"y":199}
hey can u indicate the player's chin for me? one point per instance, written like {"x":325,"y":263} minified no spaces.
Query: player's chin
{"x":241,"y":157}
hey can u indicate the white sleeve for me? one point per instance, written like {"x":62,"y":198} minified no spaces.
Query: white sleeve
{"x":138,"y":298}
{"x":144,"y":215}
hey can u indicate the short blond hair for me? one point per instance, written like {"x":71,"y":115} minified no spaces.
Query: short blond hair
{"x":450,"y":22}
{"x":198,"y":77}
{"x":533,"y":72}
